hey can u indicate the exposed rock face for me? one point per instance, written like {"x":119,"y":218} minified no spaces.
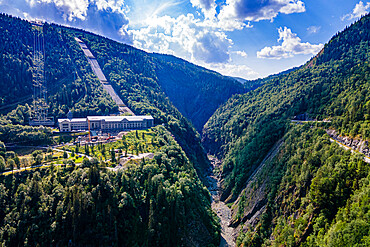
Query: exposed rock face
{"x":354,"y":143}
{"x":251,"y":203}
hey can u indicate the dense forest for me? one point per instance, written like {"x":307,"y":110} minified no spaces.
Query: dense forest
{"x":316,"y":195}
{"x":157,"y":202}
{"x":333,"y":86}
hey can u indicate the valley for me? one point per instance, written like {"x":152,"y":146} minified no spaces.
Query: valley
{"x":278,"y":161}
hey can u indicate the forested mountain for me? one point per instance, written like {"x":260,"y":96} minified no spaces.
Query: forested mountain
{"x":312,"y":191}
{"x":73,"y":86}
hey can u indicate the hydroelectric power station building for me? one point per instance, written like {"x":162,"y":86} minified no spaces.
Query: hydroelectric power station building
{"x":105,"y":123}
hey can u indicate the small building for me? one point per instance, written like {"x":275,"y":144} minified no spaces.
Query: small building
{"x":105,"y":123}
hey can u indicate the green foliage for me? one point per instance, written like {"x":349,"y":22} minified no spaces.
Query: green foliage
{"x":159,"y":202}
{"x":138,"y":77}
{"x":20,"y":134}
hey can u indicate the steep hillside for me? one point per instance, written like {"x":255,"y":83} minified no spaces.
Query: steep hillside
{"x":334,"y":85}
{"x":308,"y":195}
{"x":72,"y":84}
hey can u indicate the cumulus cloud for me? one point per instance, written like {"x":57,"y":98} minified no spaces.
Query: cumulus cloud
{"x":70,"y":9}
{"x":186,"y":35}
{"x":192,"y":39}
{"x":257,"y":10}
{"x":360,"y":10}
{"x":241,"y":53}
{"x":106,"y":17}
{"x":208,"y":7}
{"x":290,"y":46}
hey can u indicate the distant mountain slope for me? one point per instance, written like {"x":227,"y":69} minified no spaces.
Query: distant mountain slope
{"x":195,"y":91}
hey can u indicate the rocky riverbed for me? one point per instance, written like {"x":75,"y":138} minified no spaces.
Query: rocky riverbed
{"x":228,"y":234}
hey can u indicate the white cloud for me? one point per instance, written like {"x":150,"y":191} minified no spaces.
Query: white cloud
{"x":78,"y":9}
{"x":235,"y":70}
{"x":200,"y":42}
{"x":188,"y":36}
{"x":241,"y":53}
{"x":257,"y":10}
{"x":208,"y":7}
{"x":313,"y":29}
{"x":70,"y":8}
{"x":117,"y":6}
{"x":359,"y":10}
{"x":290,"y":46}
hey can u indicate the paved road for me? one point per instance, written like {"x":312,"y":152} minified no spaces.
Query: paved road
{"x":44,"y":165}
{"x":366,"y":159}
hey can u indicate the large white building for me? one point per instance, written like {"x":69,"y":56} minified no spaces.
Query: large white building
{"x":105,"y":123}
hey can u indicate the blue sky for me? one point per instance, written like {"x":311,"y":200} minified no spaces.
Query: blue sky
{"x":243,"y":38}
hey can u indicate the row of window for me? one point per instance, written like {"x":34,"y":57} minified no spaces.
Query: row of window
{"x":122,"y":126}
{"x":81,"y":126}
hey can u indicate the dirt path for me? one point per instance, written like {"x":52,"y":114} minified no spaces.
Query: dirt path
{"x":223,"y":212}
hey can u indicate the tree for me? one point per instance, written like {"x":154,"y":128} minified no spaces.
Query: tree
{"x":11,"y":164}
{"x":113,"y":155}
{"x":103,"y":151}
{"x":17,"y":161}
{"x":10,"y":154}
{"x":71,"y":163}
{"x":35,"y":153}
{"x":25,"y":162}
{"x":2,"y":147}
{"x":87,"y":150}
{"x":85,"y":162}
{"x":2,"y":164}
{"x":38,"y":159}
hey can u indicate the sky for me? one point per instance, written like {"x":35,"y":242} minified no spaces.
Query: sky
{"x":242,"y":38}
